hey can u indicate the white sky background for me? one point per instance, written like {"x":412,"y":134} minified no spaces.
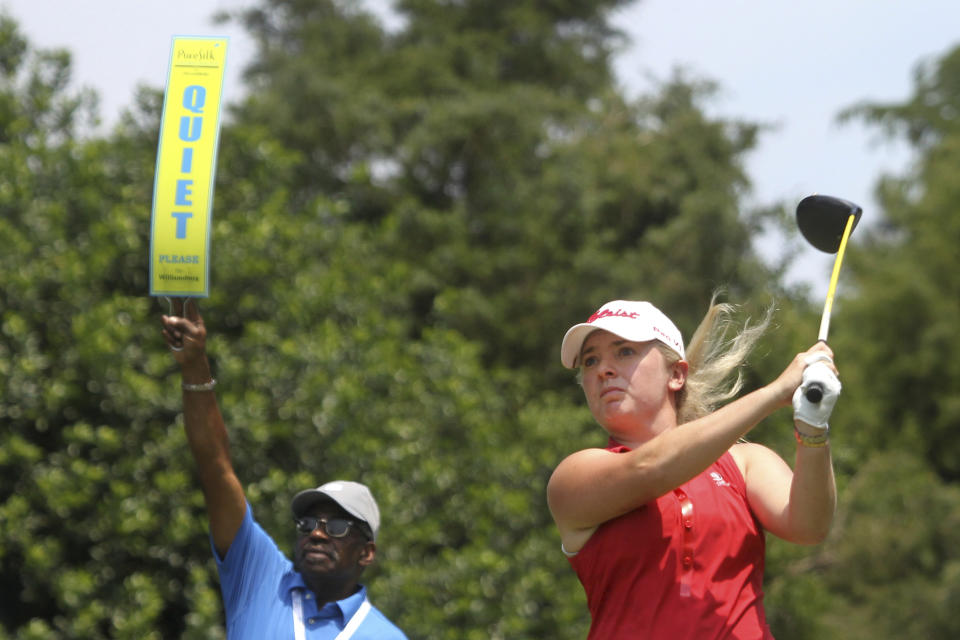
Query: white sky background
{"x":793,"y":65}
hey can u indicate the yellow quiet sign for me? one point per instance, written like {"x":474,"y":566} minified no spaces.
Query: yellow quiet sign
{"x":186,"y":163}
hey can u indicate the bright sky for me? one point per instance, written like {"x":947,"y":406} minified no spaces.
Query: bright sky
{"x":794,"y":65}
{"x":797,"y":65}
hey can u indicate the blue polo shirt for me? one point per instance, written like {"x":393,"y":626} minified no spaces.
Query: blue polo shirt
{"x":257,"y":582}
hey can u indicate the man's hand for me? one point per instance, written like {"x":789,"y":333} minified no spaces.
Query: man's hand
{"x":185,"y":334}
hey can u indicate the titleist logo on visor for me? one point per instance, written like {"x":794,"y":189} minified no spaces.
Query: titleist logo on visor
{"x":603,"y":313}
{"x":623,"y":313}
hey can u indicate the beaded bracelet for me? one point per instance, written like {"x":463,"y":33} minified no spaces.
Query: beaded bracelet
{"x":819,"y":440}
{"x":206,"y":386}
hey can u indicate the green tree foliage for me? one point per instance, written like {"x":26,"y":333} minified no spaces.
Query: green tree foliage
{"x":489,"y":137}
{"x":405,"y":223}
{"x":91,"y":547}
{"x":907,"y":282}
{"x":890,"y":566}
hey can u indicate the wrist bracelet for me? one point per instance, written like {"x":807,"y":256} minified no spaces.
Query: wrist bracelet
{"x":206,"y":386}
{"x":819,"y":440}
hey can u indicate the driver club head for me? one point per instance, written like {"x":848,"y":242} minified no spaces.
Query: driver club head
{"x":822,"y":220}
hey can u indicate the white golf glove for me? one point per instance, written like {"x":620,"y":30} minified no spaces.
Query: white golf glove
{"x":816,"y":415}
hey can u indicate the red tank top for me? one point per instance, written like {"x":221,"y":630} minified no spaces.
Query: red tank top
{"x":687,"y":566}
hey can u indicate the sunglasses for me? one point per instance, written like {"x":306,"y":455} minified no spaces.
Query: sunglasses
{"x":333,"y":527}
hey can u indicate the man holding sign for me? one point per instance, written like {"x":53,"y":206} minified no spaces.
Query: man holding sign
{"x":266,"y":596}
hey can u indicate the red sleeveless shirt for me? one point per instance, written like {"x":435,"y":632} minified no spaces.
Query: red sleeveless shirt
{"x":687,"y":566}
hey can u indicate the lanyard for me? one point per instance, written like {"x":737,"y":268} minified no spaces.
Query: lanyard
{"x":300,"y":632}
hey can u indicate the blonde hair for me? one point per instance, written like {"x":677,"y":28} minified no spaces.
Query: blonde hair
{"x":714,"y":375}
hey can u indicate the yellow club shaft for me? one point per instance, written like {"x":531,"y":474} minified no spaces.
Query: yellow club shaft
{"x":828,"y":305}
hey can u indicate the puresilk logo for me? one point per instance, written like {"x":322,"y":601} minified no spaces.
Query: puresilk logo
{"x":195,"y":55}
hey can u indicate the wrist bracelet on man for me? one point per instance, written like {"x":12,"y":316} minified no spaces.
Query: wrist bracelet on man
{"x":819,"y":440}
{"x":206,"y":386}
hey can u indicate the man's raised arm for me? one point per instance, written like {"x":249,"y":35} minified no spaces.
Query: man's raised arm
{"x":206,"y":431}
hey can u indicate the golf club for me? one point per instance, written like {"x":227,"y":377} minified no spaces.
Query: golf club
{"x":827,"y":222}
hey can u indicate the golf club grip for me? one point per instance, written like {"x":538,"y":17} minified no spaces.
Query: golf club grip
{"x":814,"y":392}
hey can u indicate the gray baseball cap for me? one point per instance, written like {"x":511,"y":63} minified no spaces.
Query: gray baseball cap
{"x":353,"y":497}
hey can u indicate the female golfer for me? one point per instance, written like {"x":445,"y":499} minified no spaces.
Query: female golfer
{"x":665,"y":526}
